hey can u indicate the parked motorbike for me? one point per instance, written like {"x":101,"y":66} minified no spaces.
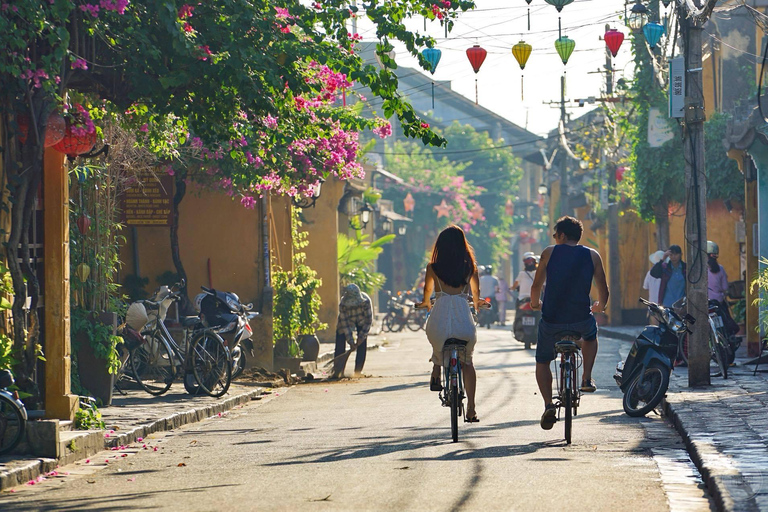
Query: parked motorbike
{"x":644,"y":376}
{"x":224,"y":312}
{"x":526,"y":324}
{"x":486,"y":317}
{"x":721,"y":322}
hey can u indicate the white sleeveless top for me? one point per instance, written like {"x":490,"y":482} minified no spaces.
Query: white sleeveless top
{"x":450,"y":317}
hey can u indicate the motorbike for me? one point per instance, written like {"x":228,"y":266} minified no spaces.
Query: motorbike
{"x":720,"y":320}
{"x":644,"y":376}
{"x":486,"y":317}
{"x":224,"y":312}
{"x":526,"y":324}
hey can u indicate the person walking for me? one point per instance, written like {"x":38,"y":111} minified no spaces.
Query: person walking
{"x":502,"y":294}
{"x":651,"y":283}
{"x":355,"y":316}
{"x":569,"y":270}
{"x":671,"y":271}
{"x":451,"y":275}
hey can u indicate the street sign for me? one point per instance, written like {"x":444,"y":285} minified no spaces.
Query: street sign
{"x":677,"y":87}
{"x":148,"y":202}
{"x":659,"y":130}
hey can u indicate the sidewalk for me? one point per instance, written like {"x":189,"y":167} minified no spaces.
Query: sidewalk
{"x":130,"y":418}
{"x":724,"y":427}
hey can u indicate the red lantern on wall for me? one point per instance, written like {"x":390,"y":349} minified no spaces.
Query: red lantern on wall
{"x":73,"y":145}
{"x":613,"y":39}
{"x":476,"y":56}
{"x":54,"y":131}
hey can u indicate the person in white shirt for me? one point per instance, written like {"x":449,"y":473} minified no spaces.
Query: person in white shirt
{"x":652,"y":284}
{"x":524,"y":279}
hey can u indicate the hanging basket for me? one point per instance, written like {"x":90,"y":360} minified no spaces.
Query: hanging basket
{"x":73,"y":145}
{"x":54,"y":131}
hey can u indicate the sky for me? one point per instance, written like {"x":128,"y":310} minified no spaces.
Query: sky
{"x":499,"y":24}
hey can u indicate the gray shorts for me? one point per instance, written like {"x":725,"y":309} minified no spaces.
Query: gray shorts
{"x":549,"y":334}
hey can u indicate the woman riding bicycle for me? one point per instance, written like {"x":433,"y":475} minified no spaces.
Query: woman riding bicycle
{"x":453,"y":272}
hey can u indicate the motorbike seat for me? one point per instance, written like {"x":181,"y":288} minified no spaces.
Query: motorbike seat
{"x":455,"y":341}
{"x":189,"y":321}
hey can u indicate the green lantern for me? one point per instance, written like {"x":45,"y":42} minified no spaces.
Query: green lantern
{"x":564,"y":46}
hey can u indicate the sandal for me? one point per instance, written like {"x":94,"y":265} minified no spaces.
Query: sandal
{"x":434,"y":385}
{"x":473,"y":419}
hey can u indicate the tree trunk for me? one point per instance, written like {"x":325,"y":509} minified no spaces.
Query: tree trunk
{"x":179,"y":193}
{"x":661,"y":214}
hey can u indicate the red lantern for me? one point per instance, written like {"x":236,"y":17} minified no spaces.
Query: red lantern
{"x":73,"y":145}
{"x":54,"y":130}
{"x":476,"y":56}
{"x":83,"y":224}
{"x":613,"y":39}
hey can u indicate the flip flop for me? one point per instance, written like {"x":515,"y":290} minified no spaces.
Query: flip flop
{"x":434,"y":385}
{"x":473,"y":419}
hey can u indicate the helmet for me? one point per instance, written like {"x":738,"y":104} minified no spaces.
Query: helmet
{"x":712,"y":248}
{"x":529,"y":256}
{"x":489,"y":269}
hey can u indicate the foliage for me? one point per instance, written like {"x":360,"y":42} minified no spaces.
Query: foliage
{"x":285,"y":310}
{"x":357,"y":258}
{"x":168,"y":278}
{"x":7,"y":361}
{"x":739,"y":309}
{"x":724,"y":180}
{"x":89,"y":418}
{"x":760,"y":285}
{"x":99,"y":335}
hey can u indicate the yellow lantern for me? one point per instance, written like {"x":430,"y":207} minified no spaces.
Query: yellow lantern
{"x":521,"y":51}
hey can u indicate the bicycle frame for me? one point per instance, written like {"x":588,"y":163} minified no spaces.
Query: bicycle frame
{"x":452,"y":374}
{"x":568,"y":377}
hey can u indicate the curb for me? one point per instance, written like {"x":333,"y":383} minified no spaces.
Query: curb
{"x":31,"y":468}
{"x":720,"y":495}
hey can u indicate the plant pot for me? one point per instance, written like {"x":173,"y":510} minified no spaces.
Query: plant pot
{"x":291,"y":364}
{"x":94,"y":375}
{"x":310,"y":345}
{"x":282,"y":347}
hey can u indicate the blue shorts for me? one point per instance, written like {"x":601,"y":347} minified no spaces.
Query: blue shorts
{"x":549,"y":334}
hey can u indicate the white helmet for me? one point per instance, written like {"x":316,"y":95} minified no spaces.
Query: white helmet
{"x":712,"y":248}
{"x":529,"y":255}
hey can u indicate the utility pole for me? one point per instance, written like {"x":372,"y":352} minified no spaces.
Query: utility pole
{"x":565,"y":208}
{"x":614,"y":263}
{"x":696,"y":200}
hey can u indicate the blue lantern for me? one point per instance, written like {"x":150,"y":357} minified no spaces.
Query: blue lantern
{"x":433,"y":57}
{"x":653,"y":32}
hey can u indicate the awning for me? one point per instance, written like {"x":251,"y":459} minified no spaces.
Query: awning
{"x":394,"y":216}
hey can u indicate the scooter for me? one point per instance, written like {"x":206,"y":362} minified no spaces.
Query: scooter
{"x":644,"y":376}
{"x":526,"y":323}
{"x":486,"y":317}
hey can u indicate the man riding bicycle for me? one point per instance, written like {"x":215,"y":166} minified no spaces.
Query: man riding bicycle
{"x":568,"y":269}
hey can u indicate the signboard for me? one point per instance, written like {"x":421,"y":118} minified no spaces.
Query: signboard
{"x":659,"y":130}
{"x":677,"y":87}
{"x":148,"y":203}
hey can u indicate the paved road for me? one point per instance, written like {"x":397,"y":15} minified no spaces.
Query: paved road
{"x":382,"y":442}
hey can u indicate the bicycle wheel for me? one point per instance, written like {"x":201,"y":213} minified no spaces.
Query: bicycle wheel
{"x":720,"y":355}
{"x":388,"y":323}
{"x":211,"y":364}
{"x":415,"y":320}
{"x":455,"y":413}
{"x":12,"y":424}
{"x":152,"y":365}
{"x":568,"y":405}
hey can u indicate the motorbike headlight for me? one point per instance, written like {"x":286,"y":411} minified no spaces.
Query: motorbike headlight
{"x":232,"y":303}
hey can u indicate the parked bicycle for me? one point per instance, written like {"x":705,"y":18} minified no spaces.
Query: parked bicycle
{"x":719,"y":351}
{"x":13,"y":414}
{"x":400,"y":313}
{"x":568,"y":393}
{"x":204,"y":359}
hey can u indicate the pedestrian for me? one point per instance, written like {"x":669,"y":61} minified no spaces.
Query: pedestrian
{"x":355,"y":316}
{"x":451,"y":274}
{"x":488,"y":285}
{"x":651,"y":283}
{"x":717,"y":286}
{"x":502,"y":294}
{"x":671,"y":271}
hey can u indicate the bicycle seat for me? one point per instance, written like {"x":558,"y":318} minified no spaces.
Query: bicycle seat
{"x":189,"y":321}
{"x":455,"y":341}
{"x":566,"y":346}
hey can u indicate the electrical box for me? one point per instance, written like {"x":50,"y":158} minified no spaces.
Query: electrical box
{"x":677,"y":87}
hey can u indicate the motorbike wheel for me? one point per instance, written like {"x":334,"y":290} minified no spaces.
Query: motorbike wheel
{"x":654,"y":386}
{"x":238,"y":362}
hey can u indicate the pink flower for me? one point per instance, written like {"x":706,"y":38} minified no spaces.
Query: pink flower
{"x":424,"y":125}
{"x":188,"y":28}
{"x":169,"y":170}
{"x":140,"y":439}
{"x":79,"y":64}
{"x":144,"y":128}
{"x":270,"y":122}
{"x":90,"y":8}
{"x":248,"y":202}
{"x":383,"y":130}
{"x":186,"y":11}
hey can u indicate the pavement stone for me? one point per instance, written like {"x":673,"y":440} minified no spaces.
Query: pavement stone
{"x":724,"y":427}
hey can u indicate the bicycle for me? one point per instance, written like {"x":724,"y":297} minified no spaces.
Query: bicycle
{"x":718,"y":346}
{"x":205,"y":356}
{"x":13,"y":414}
{"x":568,"y":391}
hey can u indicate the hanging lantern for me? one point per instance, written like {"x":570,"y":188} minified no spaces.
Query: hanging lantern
{"x":638,"y":16}
{"x":83,"y":271}
{"x":666,"y":3}
{"x":620,"y":173}
{"x":54,"y":130}
{"x":476,"y":56}
{"x":559,"y":4}
{"x":564,"y":46}
{"x":613,"y":39}
{"x":529,"y":13}
{"x":409,"y":203}
{"x":521,"y":51}
{"x":73,"y":145}
{"x":83,"y":224}
{"x":442,"y":209}
{"x":433,"y":57}
{"x":653,"y":32}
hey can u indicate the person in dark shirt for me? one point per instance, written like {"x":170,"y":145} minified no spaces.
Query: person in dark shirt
{"x":355,"y":316}
{"x":568,"y":269}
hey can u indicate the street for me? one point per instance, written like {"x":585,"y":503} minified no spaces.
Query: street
{"x":382,"y":442}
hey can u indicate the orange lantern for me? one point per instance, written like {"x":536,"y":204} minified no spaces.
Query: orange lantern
{"x":54,"y":130}
{"x":73,"y":145}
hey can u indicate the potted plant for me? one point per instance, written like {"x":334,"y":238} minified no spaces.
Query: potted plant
{"x":285,"y":317}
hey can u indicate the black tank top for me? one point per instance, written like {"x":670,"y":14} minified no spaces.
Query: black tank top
{"x":569,"y":279}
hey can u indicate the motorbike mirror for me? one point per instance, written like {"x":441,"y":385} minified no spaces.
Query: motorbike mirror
{"x":690,"y":319}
